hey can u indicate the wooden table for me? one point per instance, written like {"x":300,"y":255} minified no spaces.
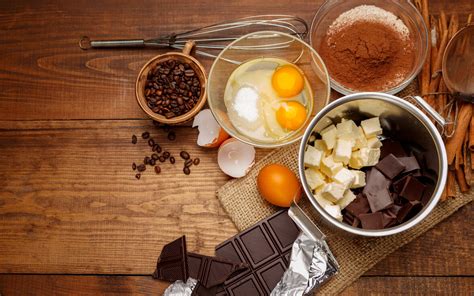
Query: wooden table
{"x":74,"y":220}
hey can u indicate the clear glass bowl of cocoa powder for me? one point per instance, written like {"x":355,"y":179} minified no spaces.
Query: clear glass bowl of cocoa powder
{"x":370,"y":45}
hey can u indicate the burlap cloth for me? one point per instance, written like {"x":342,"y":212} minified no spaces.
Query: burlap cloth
{"x":356,"y":255}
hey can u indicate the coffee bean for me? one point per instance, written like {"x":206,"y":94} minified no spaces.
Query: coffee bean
{"x":134,"y":166}
{"x":172,"y":160}
{"x":162,"y":159}
{"x":171,"y":136}
{"x":155,"y":156}
{"x":196,"y":161}
{"x":138,"y":176}
{"x":145,"y":135}
{"x":146,"y":160}
{"x":166,"y":154}
{"x":151,"y":142}
{"x":188,"y":163}
{"x":134,"y":139}
{"x":189,"y":73}
{"x":152,"y":162}
{"x":157,"y":148}
{"x":141,"y":168}
{"x":186,"y":171}
{"x":157,"y":169}
{"x":184,"y":155}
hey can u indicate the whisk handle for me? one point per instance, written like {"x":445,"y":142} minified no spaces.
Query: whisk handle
{"x":86,"y":43}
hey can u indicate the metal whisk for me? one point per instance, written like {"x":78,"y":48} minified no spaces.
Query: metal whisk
{"x":214,"y":37}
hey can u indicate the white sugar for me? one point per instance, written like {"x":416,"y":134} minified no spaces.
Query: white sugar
{"x":369,"y":13}
{"x":245,"y":104}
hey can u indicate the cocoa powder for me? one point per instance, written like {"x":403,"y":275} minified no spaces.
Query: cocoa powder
{"x":368,"y":56}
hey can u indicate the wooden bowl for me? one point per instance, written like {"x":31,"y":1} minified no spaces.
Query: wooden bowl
{"x":184,"y":56}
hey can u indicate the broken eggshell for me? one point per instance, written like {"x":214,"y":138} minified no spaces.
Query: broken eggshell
{"x":211,"y":134}
{"x":235,"y":158}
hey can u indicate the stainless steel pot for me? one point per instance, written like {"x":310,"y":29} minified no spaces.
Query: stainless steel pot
{"x":398,"y":117}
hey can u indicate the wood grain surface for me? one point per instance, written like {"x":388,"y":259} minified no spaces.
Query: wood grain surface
{"x":72,"y":214}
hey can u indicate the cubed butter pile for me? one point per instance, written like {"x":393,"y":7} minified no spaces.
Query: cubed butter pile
{"x":332,"y":163}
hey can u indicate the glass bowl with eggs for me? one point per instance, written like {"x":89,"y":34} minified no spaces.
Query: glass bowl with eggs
{"x":264,"y":87}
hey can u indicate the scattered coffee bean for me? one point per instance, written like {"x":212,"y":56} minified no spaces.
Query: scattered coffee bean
{"x":166,"y":154}
{"x":172,"y":88}
{"x":134,"y":139}
{"x":152,"y":161}
{"x":155,"y":156}
{"x":145,"y":135}
{"x":188,"y":163}
{"x":157,"y":148}
{"x":146,"y":160}
{"x":184,"y":155}
{"x":137,"y":176}
{"x":172,"y":160}
{"x":141,"y":168}
{"x":196,"y":161}
{"x":171,"y":136}
{"x":186,"y":171}
{"x":151,"y":143}
{"x":134,"y":166}
{"x":162,"y":159}
{"x":157,"y":169}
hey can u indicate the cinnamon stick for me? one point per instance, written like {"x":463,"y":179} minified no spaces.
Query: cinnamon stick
{"x":466,"y":161}
{"x":461,"y":181}
{"x":426,"y":70}
{"x":471,"y":134}
{"x":450,"y":186}
{"x":454,"y":143}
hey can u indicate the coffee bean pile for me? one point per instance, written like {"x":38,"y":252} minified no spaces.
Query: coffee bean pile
{"x":160,"y":155}
{"x":172,"y":88}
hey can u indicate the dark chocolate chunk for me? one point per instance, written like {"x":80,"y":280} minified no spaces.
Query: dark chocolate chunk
{"x":427,"y":194}
{"x":410,"y":162}
{"x":392,"y":147}
{"x":390,"y":166}
{"x":200,"y":290}
{"x":412,"y":189}
{"x":398,"y":185}
{"x":388,"y":220}
{"x":372,"y":220}
{"x":376,"y":181}
{"x":172,"y":264}
{"x":380,"y":200}
{"x":358,"y":206}
{"x":284,"y":231}
{"x":270,"y":275}
{"x":246,"y":287}
{"x":257,"y":246}
{"x":408,"y":210}
{"x":393,"y":210}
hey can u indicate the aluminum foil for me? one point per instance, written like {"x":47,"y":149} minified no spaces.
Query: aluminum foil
{"x":180,"y":288}
{"x":312,"y":264}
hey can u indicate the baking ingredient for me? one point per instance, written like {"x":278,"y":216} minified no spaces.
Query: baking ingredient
{"x":291,"y":115}
{"x":278,"y":185}
{"x":287,"y":81}
{"x":235,"y":158}
{"x":268,"y":99}
{"x":211,"y":134}
{"x":172,"y":88}
{"x":368,"y":49}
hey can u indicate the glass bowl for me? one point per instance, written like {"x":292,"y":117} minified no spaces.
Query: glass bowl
{"x":267,"y":44}
{"x":403,"y":9}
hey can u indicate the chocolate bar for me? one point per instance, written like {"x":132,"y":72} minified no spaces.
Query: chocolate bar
{"x":266,"y":248}
{"x":172,"y":264}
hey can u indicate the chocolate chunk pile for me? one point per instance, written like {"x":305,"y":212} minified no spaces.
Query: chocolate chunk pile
{"x":175,"y":263}
{"x":396,"y":189}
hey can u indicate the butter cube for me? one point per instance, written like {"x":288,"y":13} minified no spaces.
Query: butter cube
{"x":348,"y":197}
{"x":334,"y":211}
{"x":312,"y":156}
{"x":329,"y":166}
{"x":322,"y":201}
{"x":344,"y":177}
{"x":360,"y":139}
{"x":371,"y":127}
{"x":321,"y":146}
{"x":314,"y":178}
{"x":364,"y":157}
{"x":333,"y":191}
{"x":346,"y":129}
{"x":373,"y":143}
{"x":359,"y":179}
{"x":329,"y":136}
{"x":343,"y":150}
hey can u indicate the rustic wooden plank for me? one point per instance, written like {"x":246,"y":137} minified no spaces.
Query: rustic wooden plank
{"x":44,"y":75}
{"x":70,"y":204}
{"x":38,"y":285}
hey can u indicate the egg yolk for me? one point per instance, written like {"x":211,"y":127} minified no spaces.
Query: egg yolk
{"x":291,"y":115}
{"x":287,"y":81}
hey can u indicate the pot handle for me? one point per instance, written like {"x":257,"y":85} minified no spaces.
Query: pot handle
{"x":431,"y":112}
{"x":297,"y":214}
{"x":188,"y":47}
